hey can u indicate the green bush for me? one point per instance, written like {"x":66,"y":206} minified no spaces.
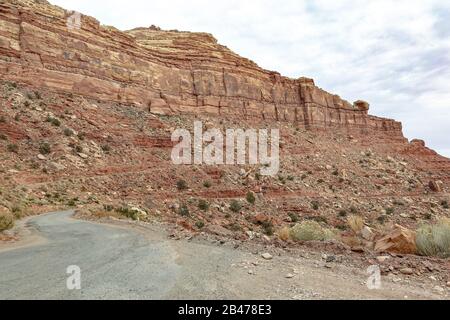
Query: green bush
{"x":68,"y":132}
{"x":315,"y":205}
{"x":200,"y":224}
{"x":45,"y":148}
{"x":6,"y":221}
{"x":251,"y":197}
{"x":207,"y":184}
{"x":13,"y":148}
{"x":310,"y":231}
{"x":182,"y":185}
{"x":434,"y":240}
{"x":184,"y":211}
{"x":54,"y":121}
{"x":128,"y":213}
{"x":203,"y":205}
{"x":268,"y":228}
{"x":235,"y":206}
{"x":294,"y":217}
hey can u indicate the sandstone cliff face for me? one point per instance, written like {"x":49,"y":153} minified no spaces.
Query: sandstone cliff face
{"x":166,"y":72}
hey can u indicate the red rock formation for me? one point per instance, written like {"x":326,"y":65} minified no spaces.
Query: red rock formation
{"x":165,"y":71}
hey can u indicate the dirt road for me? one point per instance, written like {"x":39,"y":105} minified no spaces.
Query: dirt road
{"x":124,"y":263}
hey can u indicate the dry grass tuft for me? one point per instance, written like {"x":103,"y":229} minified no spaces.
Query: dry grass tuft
{"x":310,"y":231}
{"x":6,"y":221}
{"x":356,"y":223}
{"x":434,"y":240}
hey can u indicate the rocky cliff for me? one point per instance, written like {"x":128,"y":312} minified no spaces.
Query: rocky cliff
{"x":87,"y":113}
{"x":167,"y":72}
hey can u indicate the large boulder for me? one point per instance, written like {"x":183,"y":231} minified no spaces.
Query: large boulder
{"x":401,"y":240}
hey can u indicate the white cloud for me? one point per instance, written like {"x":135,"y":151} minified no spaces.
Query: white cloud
{"x":395,"y":54}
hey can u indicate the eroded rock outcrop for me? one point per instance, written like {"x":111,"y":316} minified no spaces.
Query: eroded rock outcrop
{"x":167,"y":72}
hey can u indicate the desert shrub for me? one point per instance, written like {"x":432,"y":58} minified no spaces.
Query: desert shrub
{"x":6,"y":221}
{"x":268,"y":228}
{"x":310,"y":231}
{"x":315,"y":205}
{"x":54,"y":121}
{"x":342,"y":213}
{"x":45,"y":148}
{"x":235,"y":227}
{"x":13,"y":148}
{"x":2,"y":119}
{"x":184,"y":211}
{"x":3,"y":137}
{"x":355,"y":223}
{"x":434,"y":240}
{"x":128,"y":213}
{"x":207,"y":184}
{"x":390,"y":211}
{"x":106,"y":148}
{"x":445,"y":204}
{"x":203,"y":205}
{"x":251,"y":197}
{"x":17,"y":117}
{"x":353,"y":210}
{"x":182,"y":185}
{"x":235,"y":206}
{"x":200,"y":224}
{"x":108,"y":207}
{"x":68,"y":132}
{"x":294,"y":217}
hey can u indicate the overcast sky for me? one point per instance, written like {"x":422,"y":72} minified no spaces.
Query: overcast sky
{"x":393,"y":53}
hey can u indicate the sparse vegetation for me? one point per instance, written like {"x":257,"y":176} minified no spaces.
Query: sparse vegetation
{"x":45,"y":148}
{"x":315,"y":205}
{"x":6,"y":221}
{"x":106,"y":148}
{"x":445,"y":204}
{"x":128,"y":213}
{"x":68,"y":132}
{"x":199,"y":224}
{"x":2,"y":119}
{"x":3,"y":137}
{"x":342,"y":213}
{"x":182,"y":185}
{"x":203,"y":205}
{"x":235,"y":206}
{"x":268,"y":228}
{"x":54,"y":121}
{"x":207,"y":184}
{"x":355,"y":223}
{"x":310,"y":231}
{"x":434,"y":240}
{"x":251,"y":197}
{"x":13,"y":148}
{"x":294,"y":217}
{"x":390,"y":211}
{"x":184,"y":211}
